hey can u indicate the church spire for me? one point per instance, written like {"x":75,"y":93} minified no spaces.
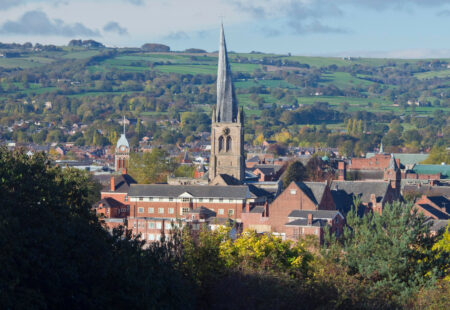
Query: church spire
{"x":226,"y":110}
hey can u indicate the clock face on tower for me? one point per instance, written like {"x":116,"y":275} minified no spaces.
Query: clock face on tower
{"x":122,"y":148}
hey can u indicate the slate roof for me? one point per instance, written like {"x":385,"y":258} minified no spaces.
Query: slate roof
{"x":393,"y":163}
{"x":362,"y":188}
{"x":406,"y":159}
{"x":109,"y":203}
{"x":343,"y":192}
{"x":304,"y":222}
{"x":319,"y":214}
{"x":441,"y":202}
{"x":436,"y":212}
{"x":200,"y":191}
{"x":314,"y":190}
{"x":428,"y":190}
{"x":122,"y":183}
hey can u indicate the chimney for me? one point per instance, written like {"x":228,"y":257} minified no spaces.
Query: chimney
{"x":247,"y":207}
{"x":310,"y":219}
{"x":113,"y":184}
{"x":373,"y":199}
{"x":124,"y":170}
{"x":423,"y":197}
{"x":342,"y":170}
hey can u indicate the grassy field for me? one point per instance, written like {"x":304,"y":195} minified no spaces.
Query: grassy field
{"x":433,"y":74}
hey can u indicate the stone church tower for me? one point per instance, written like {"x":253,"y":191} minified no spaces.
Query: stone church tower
{"x":227,"y":129}
{"x":122,"y":155}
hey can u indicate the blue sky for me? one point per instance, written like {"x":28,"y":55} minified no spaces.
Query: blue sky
{"x":368,"y":28}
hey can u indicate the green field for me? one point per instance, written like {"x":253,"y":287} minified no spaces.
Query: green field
{"x":433,"y":74}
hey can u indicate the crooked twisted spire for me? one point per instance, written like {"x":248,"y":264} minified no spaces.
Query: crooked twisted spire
{"x":226,"y":108}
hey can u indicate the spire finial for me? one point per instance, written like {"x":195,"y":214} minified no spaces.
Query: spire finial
{"x":124,"y":124}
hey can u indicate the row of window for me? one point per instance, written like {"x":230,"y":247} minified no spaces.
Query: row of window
{"x":182,"y":211}
{"x":154,"y":225}
{"x":160,"y":210}
{"x":183,"y":199}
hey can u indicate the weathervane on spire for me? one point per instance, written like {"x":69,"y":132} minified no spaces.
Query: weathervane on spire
{"x":124,"y":124}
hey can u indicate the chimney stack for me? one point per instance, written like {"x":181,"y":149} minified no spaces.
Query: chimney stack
{"x":124,"y":170}
{"x":310,"y":219}
{"x":342,"y":170}
{"x":113,"y":184}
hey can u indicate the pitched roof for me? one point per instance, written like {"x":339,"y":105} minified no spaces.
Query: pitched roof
{"x":200,"y":191}
{"x":435,"y":212}
{"x":441,"y":202}
{"x":109,"y":202}
{"x":314,"y":190}
{"x":122,"y":184}
{"x":317,"y":214}
{"x":393,"y":163}
{"x":444,"y":170}
{"x":304,"y":222}
{"x":344,"y":191}
{"x":362,"y":188}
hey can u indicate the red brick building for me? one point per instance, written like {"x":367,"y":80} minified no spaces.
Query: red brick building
{"x":309,"y":197}
{"x":303,"y":222}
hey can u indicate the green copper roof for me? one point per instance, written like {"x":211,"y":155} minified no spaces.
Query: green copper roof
{"x":444,"y":170}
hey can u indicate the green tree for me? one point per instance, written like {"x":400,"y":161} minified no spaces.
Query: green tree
{"x":56,"y":254}
{"x":438,"y":155}
{"x":151,"y":167}
{"x":295,"y":172}
{"x":392,"y":251}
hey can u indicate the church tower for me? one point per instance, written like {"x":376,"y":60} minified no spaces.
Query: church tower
{"x":393,"y":174}
{"x":122,"y":155}
{"x":227,"y":129}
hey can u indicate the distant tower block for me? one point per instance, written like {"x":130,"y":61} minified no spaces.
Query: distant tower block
{"x":122,"y":155}
{"x":227,"y":129}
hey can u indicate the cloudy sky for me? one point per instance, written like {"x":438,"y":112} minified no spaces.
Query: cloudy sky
{"x":374,"y":28}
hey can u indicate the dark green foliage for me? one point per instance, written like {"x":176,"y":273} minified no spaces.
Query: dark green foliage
{"x":392,"y":252}
{"x":56,"y":255}
{"x":294,"y":173}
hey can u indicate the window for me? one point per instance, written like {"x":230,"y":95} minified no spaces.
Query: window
{"x":141,"y":210}
{"x":221,"y":211}
{"x":158,"y":237}
{"x":151,"y":237}
{"x":170,"y":198}
{"x":195,"y":226}
{"x":200,"y":200}
{"x":220,"y":199}
{"x":151,"y":210}
{"x":184,"y":210}
{"x":160,"y":210}
{"x":211,"y":199}
{"x":151,"y":225}
{"x":186,"y":199}
{"x":171,"y":210}
{"x":134,"y":224}
{"x":168,"y":226}
{"x":230,"y":212}
{"x":158,"y":225}
{"x":126,"y":198}
{"x":228,"y":143}
{"x":150,"y":198}
{"x":293,"y":192}
{"x":141,"y":198}
{"x":220,"y":143}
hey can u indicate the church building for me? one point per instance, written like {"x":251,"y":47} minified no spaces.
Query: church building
{"x":122,"y":154}
{"x":227,"y":163}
